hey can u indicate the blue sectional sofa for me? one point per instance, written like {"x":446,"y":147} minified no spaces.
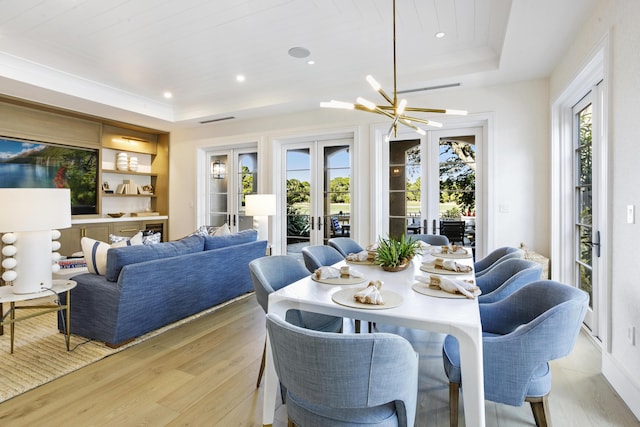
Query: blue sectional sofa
{"x":149,"y":286}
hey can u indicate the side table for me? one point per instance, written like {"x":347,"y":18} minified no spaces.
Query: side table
{"x":57,"y":287}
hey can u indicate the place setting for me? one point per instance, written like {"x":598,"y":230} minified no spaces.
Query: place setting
{"x":344,"y":275}
{"x":446,"y":287}
{"x":372,"y":297}
{"x":446,"y":266}
{"x":450,"y":251}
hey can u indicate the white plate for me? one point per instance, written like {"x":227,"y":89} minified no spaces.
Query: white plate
{"x":345,"y":297}
{"x":437,"y":252}
{"x":340,"y":280}
{"x":424,"y":289}
{"x":429,"y":268}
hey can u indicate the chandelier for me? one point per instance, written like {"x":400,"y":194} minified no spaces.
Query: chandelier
{"x":395,"y":110}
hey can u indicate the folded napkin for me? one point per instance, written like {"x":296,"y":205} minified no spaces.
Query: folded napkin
{"x":452,"y":249}
{"x":370,"y":294}
{"x":327,"y":272}
{"x":451,"y":265}
{"x":454,"y":286}
{"x":360,"y":256}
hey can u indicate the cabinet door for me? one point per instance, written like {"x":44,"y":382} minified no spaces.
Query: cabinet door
{"x":70,"y":237}
{"x":127,"y":228}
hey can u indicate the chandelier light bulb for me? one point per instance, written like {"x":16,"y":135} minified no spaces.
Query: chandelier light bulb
{"x":401,"y":107}
{"x":374,"y":84}
{"x":456,"y":112}
{"x":337,"y":104}
{"x":370,"y":105}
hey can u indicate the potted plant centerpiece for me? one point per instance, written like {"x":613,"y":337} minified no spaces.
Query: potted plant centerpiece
{"x":396,"y":254}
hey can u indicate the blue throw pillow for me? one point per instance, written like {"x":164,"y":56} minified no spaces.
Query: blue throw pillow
{"x":118,"y":258}
{"x":216,"y":242}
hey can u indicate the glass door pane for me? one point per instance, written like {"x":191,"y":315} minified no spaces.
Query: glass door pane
{"x":247,"y":183}
{"x":457,"y":177}
{"x":336,"y":192}
{"x":298,"y":182}
{"x":583,"y":202}
{"x":218,"y":190}
{"x":405,"y":178}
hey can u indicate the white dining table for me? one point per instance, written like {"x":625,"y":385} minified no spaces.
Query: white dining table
{"x":459,"y":317}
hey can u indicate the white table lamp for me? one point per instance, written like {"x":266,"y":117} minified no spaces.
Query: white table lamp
{"x":29,"y":218}
{"x":260,"y":207}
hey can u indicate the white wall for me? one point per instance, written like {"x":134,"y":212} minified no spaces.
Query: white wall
{"x":519,"y":147}
{"x":619,"y":19}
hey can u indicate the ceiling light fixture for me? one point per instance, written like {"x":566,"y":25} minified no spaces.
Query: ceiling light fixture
{"x":396,"y":109}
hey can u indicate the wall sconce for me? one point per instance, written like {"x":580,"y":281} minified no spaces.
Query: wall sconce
{"x":396,"y":171}
{"x":218,"y":169}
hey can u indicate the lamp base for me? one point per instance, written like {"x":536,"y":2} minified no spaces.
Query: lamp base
{"x":34,"y":262}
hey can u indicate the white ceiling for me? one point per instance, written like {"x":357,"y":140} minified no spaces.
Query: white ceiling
{"x":117,"y":57}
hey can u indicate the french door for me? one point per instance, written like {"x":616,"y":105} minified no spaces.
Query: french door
{"x":232,"y":175}
{"x":587,"y":239}
{"x":432,"y":183}
{"x":317,"y":184}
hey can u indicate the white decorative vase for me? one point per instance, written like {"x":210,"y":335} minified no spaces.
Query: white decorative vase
{"x":122,"y":162}
{"x":133,"y":164}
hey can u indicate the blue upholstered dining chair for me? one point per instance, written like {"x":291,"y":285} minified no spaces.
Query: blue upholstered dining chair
{"x":432,"y":239}
{"x":317,"y":256}
{"x":521,"y":334}
{"x":345,"y":245}
{"x":344,"y":379}
{"x":507,"y":277}
{"x":495,"y":257}
{"x":271,"y":273}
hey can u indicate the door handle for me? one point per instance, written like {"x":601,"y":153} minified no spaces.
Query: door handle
{"x":596,"y":244}
{"x":319,"y":223}
{"x":312,"y":220}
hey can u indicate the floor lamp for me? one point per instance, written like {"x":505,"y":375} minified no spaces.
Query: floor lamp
{"x":29,"y":218}
{"x":261,"y":207}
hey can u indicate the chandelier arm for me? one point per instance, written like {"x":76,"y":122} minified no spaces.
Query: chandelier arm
{"x":385,"y":96}
{"x":423,"y":121}
{"x":378,"y":110}
{"x":426,"y":110}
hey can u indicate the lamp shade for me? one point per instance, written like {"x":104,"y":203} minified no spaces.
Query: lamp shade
{"x":260,"y":204}
{"x":34,"y":209}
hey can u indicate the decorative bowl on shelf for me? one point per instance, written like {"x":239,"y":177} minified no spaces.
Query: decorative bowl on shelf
{"x":116,"y":214}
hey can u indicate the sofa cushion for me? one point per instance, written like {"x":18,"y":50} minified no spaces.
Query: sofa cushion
{"x":95,"y":251}
{"x":216,"y":242}
{"x":118,"y":258}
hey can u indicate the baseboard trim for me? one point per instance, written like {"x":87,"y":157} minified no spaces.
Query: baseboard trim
{"x":622,"y":383}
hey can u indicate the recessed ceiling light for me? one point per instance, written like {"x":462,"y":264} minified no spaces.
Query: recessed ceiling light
{"x":168,"y":95}
{"x":311,"y":62}
{"x":439,"y":34}
{"x":299,"y":52}
{"x":240,"y":78}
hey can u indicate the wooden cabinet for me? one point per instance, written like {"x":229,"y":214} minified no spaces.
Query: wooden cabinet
{"x":70,"y":237}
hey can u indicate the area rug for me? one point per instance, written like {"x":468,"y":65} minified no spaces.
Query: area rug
{"x":40,"y":354}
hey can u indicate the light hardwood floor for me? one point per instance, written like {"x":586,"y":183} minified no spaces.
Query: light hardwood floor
{"x":203,"y":374}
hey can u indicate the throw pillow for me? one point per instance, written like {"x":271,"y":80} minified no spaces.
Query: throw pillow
{"x":204,"y":230}
{"x":95,"y":252}
{"x":223,"y":230}
{"x":136,"y":239}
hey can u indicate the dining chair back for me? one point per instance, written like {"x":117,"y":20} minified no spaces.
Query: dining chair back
{"x":521,"y":334}
{"x":344,"y":379}
{"x":345,"y":245}
{"x":507,"y":277}
{"x":454,"y":230}
{"x":432,"y":239}
{"x":271,"y":273}
{"x":496,"y":256}
{"x":317,"y":256}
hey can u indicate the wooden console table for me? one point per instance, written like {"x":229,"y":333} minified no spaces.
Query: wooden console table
{"x":57,"y":287}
